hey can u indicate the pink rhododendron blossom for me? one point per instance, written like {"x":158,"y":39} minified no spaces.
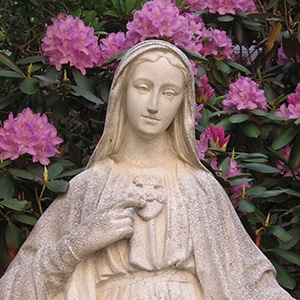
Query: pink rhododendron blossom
{"x":68,"y":40}
{"x":198,"y":115}
{"x":216,"y":137}
{"x":292,"y":109}
{"x":284,"y":169}
{"x":219,"y":45}
{"x":203,"y":90}
{"x":245,"y":94}
{"x":113,"y":44}
{"x":283,"y":59}
{"x":202,"y":145}
{"x":156,"y":19}
{"x":222,"y":7}
{"x":28,"y":133}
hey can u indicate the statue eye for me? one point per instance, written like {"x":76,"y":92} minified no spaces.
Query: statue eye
{"x":143,"y":88}
{"x":169,"y":93}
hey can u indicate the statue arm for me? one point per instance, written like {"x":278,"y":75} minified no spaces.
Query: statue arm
{"x":45,"y":260}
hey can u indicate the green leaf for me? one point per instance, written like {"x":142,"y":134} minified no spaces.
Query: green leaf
{"x":7,"y":187}
{"x":57,"y":186}
{"x":194,"y":56}
{"x":70,"y":173}
{"x":255,"y":191}
{"x":221,"y":65}
{"x":21,"y":174}
{"x":251,"y":129}
{"x":238,"y":118}
{"x":25,"y":219}
{"x":118,"y":56}
{"x":80,"y":80}
{"x":294,"y":161}
{"x":292,"y":2}
{"x":29,"y":86}
{"x":14,"y":204}
{"x":86,"y":94}
{"x":271,"y":4}
{"x":11,"y":65}
{"x":11,"y":74}
{"x":226,"y":18}
{"x":13,"y":237}
{"x":238,"y":66}
{"x":5,"y":163}
{"x":246,"y":206}
{"x":36,"y":169}
{"x":279,"y":232}
{"x":283,"y":277}
{"x":32,"y":59}
{"x":287,"y":255}
{"x":54,"y":170}
{"x":260,"y":168}
{"x":259,"y":112}
{"x":295,"y":233}
{"x":284,"y":138}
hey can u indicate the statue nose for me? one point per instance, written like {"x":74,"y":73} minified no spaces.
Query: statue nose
{"x":153,"y":104}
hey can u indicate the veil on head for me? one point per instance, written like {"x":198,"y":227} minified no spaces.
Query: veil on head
{"x":181,"y":131}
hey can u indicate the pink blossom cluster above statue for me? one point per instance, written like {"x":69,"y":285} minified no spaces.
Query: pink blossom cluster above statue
{"x":245,"y":94}
{"x":222,"y":7}
{"x":291,"y":110}
{"x":162,"y":19}
{"x":31,"y":134}
{"x":68,"y":40}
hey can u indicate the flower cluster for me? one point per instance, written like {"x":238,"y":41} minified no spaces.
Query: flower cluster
{"x":283,"y":167}
{"x":162,"y":19}
{"x":29,"y":133}
{"x":222,"y":7}
{"x":68,"y":40}
{"x":245,"y":94}
{"x":292,"y":109}
{"x":283,"y":59}
{"x":203,"y":90}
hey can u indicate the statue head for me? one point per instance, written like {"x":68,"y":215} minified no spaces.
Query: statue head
{"x":180,"y":131}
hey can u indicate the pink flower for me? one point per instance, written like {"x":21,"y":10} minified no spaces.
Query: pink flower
{"x":222,"y":7}
{"x":113,"y":44}
{"x":283,"y":59}
{"x":202,"y":145}
{"x":292,"y":109}
{"x":68,"y":40}
{"x":198,"y":115}
{"x":219,"y":44}
{"x":216,"y":137}
{"x":158,"y":19}
{"x":245,"y":94}
{"x":31,"y":134}
{"x":203,"y":90}
{"x":283,"y":167}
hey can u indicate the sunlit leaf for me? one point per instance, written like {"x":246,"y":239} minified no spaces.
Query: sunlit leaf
{"x":246,"y":206}
{"x":260,"y":168}
{"x":279,"y":232}
{"x":238,"y":67}
{"x":55,"y":170}
{"x":21,"y":174}
{"x":221,"y":65}
{"x":273,"y":36}
{"x":32,"y":59}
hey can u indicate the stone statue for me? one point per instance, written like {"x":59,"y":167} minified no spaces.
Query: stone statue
{"x":145,"y":220}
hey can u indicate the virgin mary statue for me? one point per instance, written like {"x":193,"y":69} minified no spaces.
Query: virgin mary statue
{"x":145,"y":220}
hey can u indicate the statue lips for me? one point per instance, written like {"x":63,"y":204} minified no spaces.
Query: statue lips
{"x":151,"y":118}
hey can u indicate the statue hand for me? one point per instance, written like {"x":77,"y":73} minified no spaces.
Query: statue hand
{"x":102,"y":228}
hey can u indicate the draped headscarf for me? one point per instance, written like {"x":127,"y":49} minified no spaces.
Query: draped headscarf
{"x":181,"y":131}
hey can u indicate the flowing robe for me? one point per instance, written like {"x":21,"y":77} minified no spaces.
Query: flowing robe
{"x":207,"y":241}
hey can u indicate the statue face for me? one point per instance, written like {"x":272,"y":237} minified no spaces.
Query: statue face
{"x":154,"y":94}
